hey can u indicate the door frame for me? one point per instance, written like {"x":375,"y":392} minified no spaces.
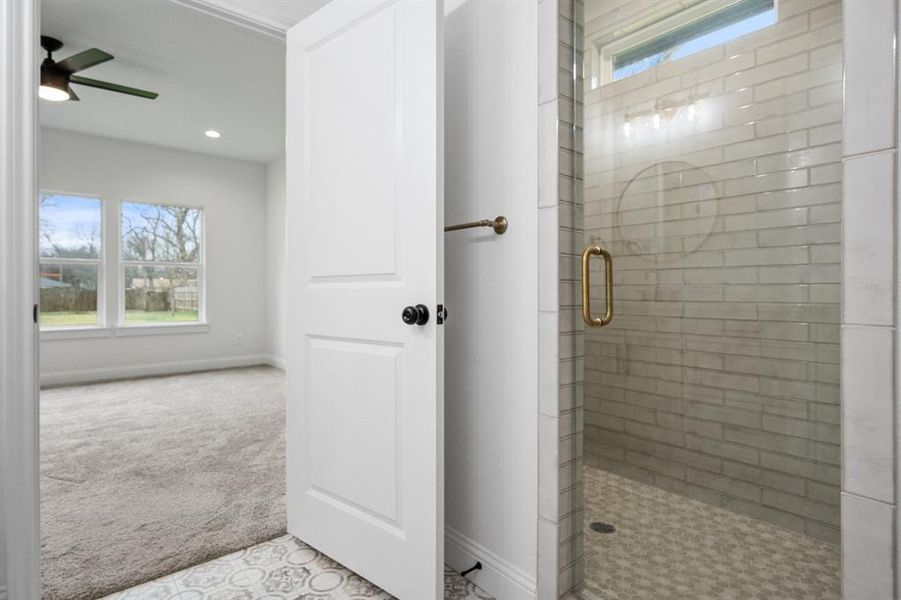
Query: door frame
{"x":19,"y":458}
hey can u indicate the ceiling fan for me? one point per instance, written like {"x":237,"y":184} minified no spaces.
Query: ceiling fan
{"x":57,"y":75}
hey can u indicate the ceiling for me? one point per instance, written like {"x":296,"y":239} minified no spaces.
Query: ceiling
{"x":273,"y":16}
{"x":210,"y":73}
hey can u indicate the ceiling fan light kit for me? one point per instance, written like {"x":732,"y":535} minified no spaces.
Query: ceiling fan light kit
{"x":57,"y":77}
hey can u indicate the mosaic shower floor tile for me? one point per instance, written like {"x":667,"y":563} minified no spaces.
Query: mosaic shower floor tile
{"x":668,"y":547}
{"x":280,"y":569}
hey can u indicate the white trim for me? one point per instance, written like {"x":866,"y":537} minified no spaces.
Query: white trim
{"x":163,"y":368}
{"x":278,"y":362}
{"x":79,"y":333}
{"x":497,"y":576}
{"x":160,"y":329}
{"x":74,"y":333}
{"x":19,"y":493}
{"x":254,"y":22}
{"x":112,"y":245}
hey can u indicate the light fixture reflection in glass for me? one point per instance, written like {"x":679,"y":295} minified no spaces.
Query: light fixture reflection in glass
{"x":212,"y":133}
{"x":53,"y":94}
{"x":627,"y":129}
{"x":656,"y":120}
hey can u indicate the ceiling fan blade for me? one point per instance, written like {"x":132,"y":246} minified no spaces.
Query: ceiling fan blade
{"x":83,"y":60}
{"x":113,"y":87}
{"x":72,"y":94}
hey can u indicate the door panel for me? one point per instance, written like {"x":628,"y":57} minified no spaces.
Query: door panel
{"x":351,"y":135}
{"x":365,"y":239}
{"x":369,"y":480}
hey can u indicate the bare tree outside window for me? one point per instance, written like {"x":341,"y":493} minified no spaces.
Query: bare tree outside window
{"x":155,"y":233}
{"x":161,"y":253}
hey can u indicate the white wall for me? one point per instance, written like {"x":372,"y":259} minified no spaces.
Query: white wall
{"x":275,"y":261}
{"x":491,"y":381}
{"x":233,"y":195}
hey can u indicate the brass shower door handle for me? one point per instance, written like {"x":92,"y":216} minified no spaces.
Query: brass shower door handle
{"x":586,"y":286}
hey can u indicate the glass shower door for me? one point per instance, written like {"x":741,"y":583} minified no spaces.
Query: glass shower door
{"x":712,"y":162}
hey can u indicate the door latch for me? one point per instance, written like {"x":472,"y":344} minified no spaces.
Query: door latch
{"x":442,"y":314}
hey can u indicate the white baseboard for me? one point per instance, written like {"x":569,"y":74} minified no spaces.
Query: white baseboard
{"x":276,"y":361}
{"x":497,"y":577}
{"x":149,"y":369}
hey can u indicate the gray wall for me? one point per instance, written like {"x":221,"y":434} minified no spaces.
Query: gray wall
{"x":719,"y":376}
{"x":232,"y":194}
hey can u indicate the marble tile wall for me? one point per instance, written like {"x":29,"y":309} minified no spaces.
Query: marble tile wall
{"x":869,"y":303}
{"x":560,"y":331}
{"x":570,"y":192}
{"x":549,"y":315}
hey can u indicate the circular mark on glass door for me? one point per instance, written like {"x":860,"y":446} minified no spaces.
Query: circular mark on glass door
{"x":667,"y":211}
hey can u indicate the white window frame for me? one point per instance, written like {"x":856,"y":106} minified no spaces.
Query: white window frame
{"x":99,"y":262}
{"x":601,"y":50}
{"x":111,"y":276}
{"x":200,"y":266}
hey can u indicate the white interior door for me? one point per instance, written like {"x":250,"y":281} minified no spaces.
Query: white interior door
{"x":365,"y":429}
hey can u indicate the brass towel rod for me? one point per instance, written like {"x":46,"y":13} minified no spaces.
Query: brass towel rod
{"x":499,"y":225}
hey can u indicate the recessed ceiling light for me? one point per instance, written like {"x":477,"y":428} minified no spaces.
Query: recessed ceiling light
{"x":212,"y":133}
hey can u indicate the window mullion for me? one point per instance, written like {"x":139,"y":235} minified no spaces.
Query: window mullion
{"x":70,"y":261}
{"x":160,"y":264}
{"x":112,"y":254}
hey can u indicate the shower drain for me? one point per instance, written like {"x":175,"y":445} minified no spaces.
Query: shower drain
{"x":600,"y":527}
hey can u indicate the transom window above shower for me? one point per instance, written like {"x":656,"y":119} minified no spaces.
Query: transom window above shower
{"x":668,"y":32}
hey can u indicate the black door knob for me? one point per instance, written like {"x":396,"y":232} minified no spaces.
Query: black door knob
{"x":416,"y":315}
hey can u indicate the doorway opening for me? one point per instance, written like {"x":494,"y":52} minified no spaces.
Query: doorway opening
{"x":162,"y":404}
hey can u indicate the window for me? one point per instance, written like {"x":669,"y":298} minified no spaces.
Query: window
{"x":685,"y":33}
{"x":155,"y":279}
{"x":161,"y":264}
{"x":71,"y":262}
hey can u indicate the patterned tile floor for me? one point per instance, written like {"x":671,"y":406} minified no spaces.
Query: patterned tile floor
{"x":280,"y":569}
{"x":668,"y":547}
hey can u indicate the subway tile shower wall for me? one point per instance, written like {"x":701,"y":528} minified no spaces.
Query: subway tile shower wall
{"x":715,"y":181}
{"x":571,"y":341}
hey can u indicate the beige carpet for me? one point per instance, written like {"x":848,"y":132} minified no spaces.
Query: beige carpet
{"x":144,"y":477}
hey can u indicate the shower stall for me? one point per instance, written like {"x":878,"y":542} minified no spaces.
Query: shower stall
{"x":707,"y":145}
